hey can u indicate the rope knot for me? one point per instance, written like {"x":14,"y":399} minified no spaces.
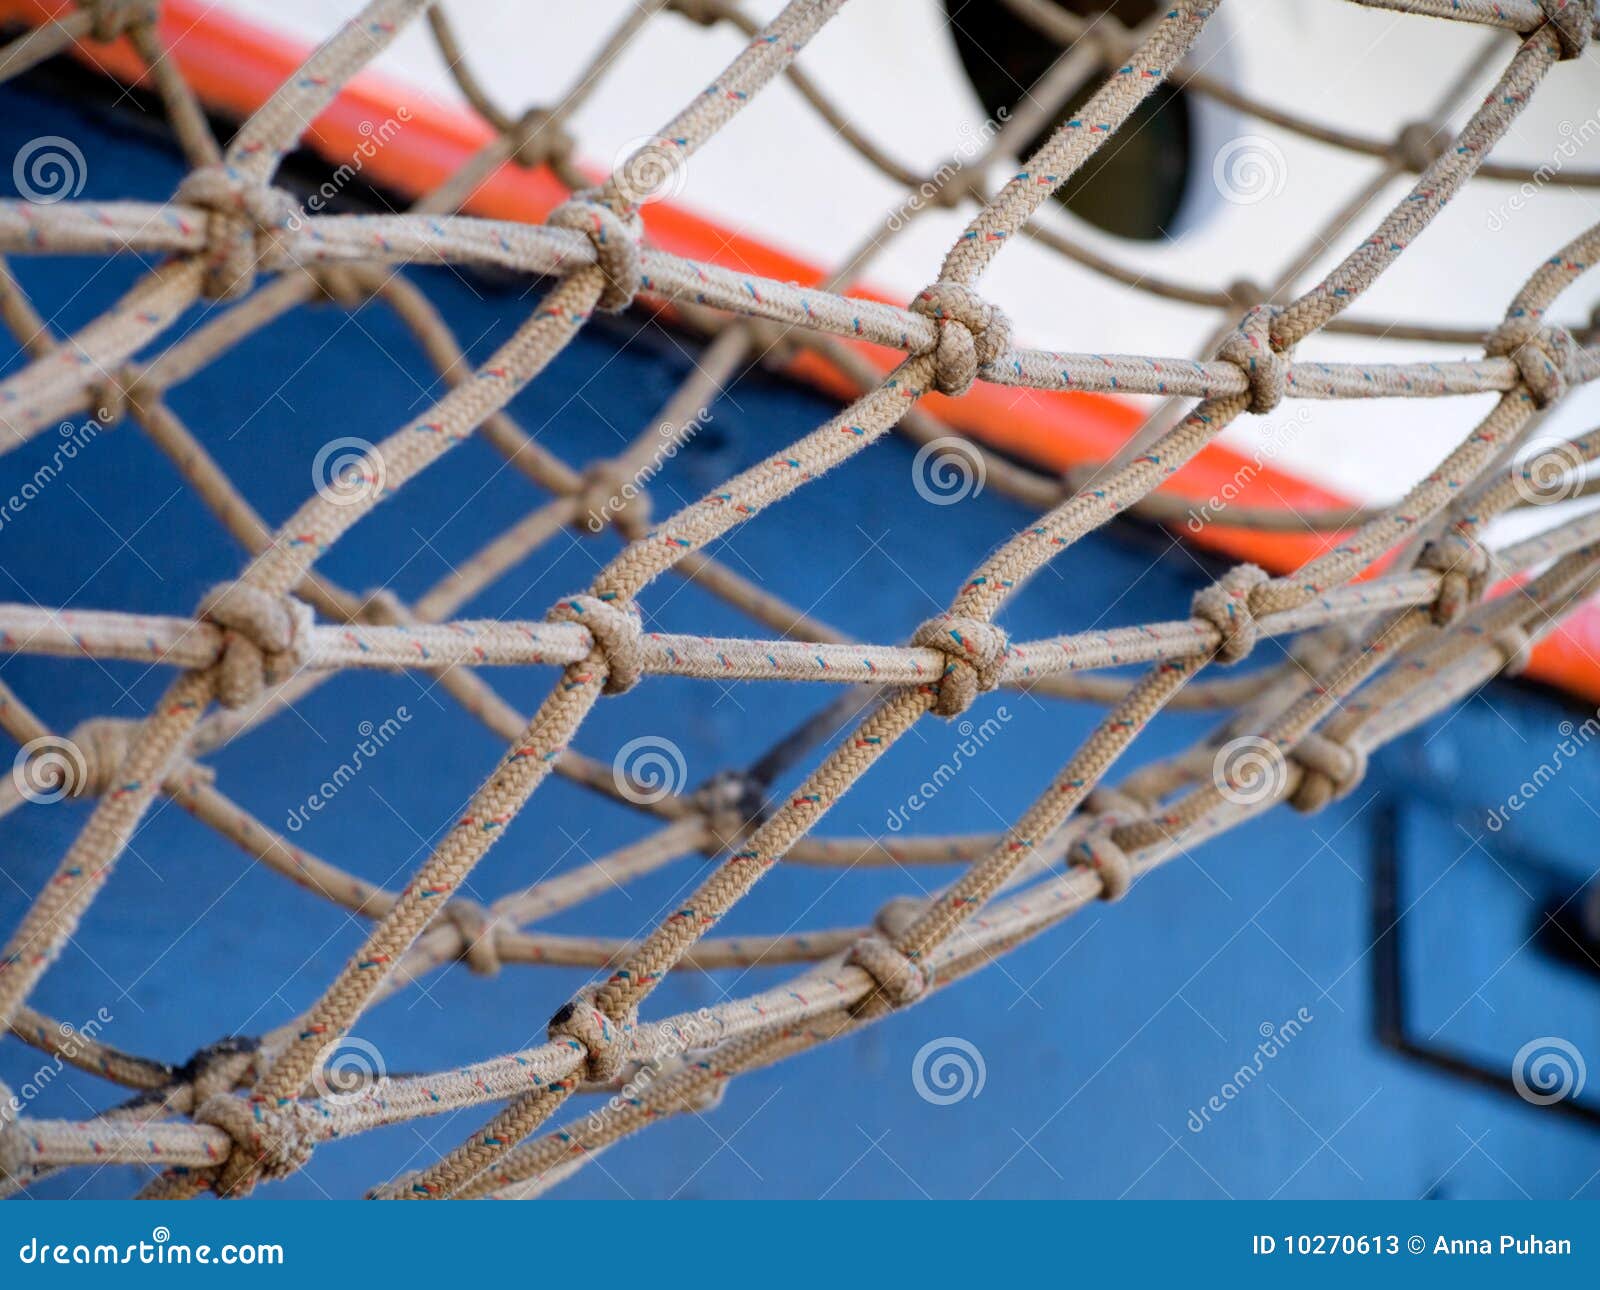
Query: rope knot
{"x":971,"y":333}
{"x":900,"y":980}
{"x":733,"y":802}
{"x":1418,"y":146}
{"x":1244,"y":294}
{"x":1251,"y":350}
{"x":606,"y":1041}
{"x":476,"y":927}
{"x":538,"y":138}
{"x":242,"y":220}
{"x":103,"y":744}
{"x":615,"y":239}
{"x":1097,"y":849}
{"x":266,"y":638}
{"x":612,"y":494}
{"x":974,"y":650}
{"x":1329,"y":768}
{"x":1544,"y":355}
{"x":1572,"y":21}
{"x":1463,"y":568}
{"x":897,"y":914}
{"x":617,"y":633}
{"x":1226,"y":605}
{"x":269,"y":1141}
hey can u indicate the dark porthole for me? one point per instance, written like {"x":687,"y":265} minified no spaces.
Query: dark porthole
{"x":1136,"y":185}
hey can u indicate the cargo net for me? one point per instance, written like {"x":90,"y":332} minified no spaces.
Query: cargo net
{"x":1371,"y":658}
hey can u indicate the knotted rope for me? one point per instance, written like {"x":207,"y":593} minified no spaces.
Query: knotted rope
{"x":1251,"y":349}
{"x":972,"y":333}
{"x":616,"y":629}
{"x":1573,"y":23}
{"x":1463,"y":568}
{"x":1227,"y":605}
{"x":1543,"y":355}
{"x":269,"y":1141}
{"x":615,"y":238}
{"x":899,"y":980}
{"x":604,"y":1041}
{"x":974,"y":650}
{"x":1330,"y":769}
{"x":266,"y":639}
{"x":242,"y":219}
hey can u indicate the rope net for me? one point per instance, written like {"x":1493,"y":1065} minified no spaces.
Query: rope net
{"x":1371,"y":659}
